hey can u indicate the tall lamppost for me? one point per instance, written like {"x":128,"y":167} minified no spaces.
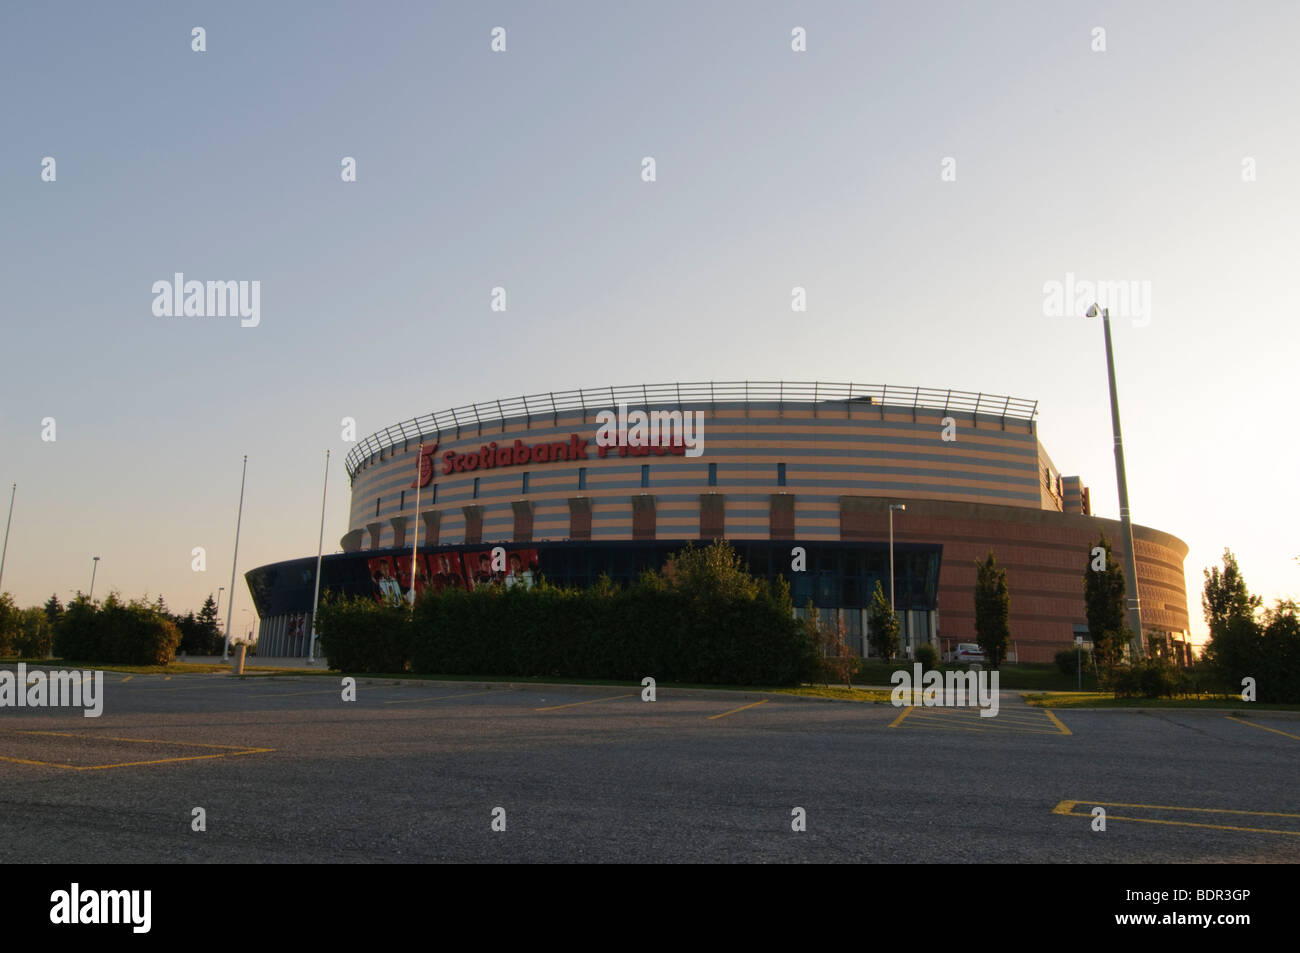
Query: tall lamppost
{"x":900,"y":507}
{"x":1126,"y":522}
{"x":217,"y":620}
{"x":93,"y":569}
{"x":5,"y":551}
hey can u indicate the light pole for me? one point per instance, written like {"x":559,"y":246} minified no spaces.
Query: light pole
{"x":93,"y":569}
{"x":225,"y":647}
{"x":320,"y":548}
{"x":5,"y":551}
{"x":900,"y":507}
{"x":1126,"y":522}
{"x":217,"y":620}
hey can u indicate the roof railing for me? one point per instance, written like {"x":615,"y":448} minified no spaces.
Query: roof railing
{"x":820,"y":395}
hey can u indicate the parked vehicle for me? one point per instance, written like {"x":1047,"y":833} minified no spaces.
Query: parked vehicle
{"x":966,"y":652}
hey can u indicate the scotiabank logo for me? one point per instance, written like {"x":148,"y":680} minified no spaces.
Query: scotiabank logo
{"x":426,"y":465}
{"x":490,"y":455}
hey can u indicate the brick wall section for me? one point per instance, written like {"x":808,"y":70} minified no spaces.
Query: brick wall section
{"x":1045,"y":555}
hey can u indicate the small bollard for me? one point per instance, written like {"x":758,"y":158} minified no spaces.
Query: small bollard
{"x":237,"y":664}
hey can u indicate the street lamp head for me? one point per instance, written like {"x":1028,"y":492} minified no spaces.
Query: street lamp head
{"x":1093,"y":311}
{"x":898,"y":506}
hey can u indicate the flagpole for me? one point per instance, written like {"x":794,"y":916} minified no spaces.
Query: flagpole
{"x":415,"y":547}
{"x":5,"y":551}
{"x":230,"y":606}
{"x":320,"y":548}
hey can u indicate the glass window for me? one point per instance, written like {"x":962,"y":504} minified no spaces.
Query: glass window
{"x":377,"y":499}
{"x":713,"y":474}
{"x":645,"y":474}
{"x":780,"y":474}
{"x":476,"y":488}
{"x":582,"y":478}
{"x":525,"y":482}
{"x":401,"y":504}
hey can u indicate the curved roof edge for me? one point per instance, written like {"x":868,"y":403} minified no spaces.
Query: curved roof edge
{"x":553,"y":403}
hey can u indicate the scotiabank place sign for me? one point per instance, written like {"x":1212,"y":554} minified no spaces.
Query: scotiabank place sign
{"x":640,"y":439}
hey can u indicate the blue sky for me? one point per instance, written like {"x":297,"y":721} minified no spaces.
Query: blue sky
{"x":522,"y":169}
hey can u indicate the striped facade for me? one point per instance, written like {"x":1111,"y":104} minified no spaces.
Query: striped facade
{"x":870,"y":452}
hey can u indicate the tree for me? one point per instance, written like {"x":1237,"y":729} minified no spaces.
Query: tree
{"x":1235,"y":648}
{"x":10,"y":624}
{"x":1279,"y":677}
{"x":1103,"y":597}
{"x":53,"y":608}
{"x":882,"y":625}
{"x":992,"y":611}
{"x":1225,"y":595}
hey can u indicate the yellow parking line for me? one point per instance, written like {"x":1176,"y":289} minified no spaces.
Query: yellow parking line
{"x":438,"y":698}
{"x":914,"y":723}
{"x":318,"y":691}
{"x":741,"y":708}
{"x":1066,"y":808}
{"x":93,"y":736}
{"x":899,"y":720}
{"x":1057,"y":722}
{"x":591,"y":702}
{"x":132,"y":764}
{"x":127,"y":679}
{"x":233,"y":751}
{"x":1265,"y":727}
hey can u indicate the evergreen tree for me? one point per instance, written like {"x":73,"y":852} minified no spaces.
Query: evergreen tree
{"x":992,"y":611}
{"x":207,"y":624}
{"x":1103,"y":597}
{"x":882,"y":625}
{"x":53,"y":608}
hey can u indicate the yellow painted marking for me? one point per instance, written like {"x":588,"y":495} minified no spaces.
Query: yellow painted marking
{"x":127,"y":679}
{"x":591,"y":702}
{"x":167,"y":678}
{"x":1265,"y":727}
{"x":967,"y":718}
{"x":438,"y":698}
{"x":914,"y":723}
{"x":741,"y":708}
{"x":318,"y":691}
{"x":1067,"y":808}
{"x":233,"y":751}
{"x":1057,"y":722}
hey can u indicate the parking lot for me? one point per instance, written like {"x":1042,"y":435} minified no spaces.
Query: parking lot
{"x":285,"y":770}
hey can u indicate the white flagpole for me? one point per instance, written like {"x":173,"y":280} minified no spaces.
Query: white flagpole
{"x":230,"y":606}
{"x":415,"y":547}
{"x":320,"y":548}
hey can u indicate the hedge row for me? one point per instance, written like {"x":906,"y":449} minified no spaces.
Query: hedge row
{"x":123,"y":633}
{"x":703,"y":620}
{"x":26,"y":633}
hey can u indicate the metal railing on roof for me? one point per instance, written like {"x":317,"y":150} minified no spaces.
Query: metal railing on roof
{"x":819,"y":394}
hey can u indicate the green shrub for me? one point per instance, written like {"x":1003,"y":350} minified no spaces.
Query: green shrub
{"x":1068,"y":660}
{"x":704,"y":619}
{"x":927,"y":656}
{"x":116,"y":632}
{"x":1152,"y":678}
{"x":359,"y":634}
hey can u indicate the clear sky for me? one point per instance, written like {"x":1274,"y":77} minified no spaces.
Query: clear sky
{"x":1170,"y":159}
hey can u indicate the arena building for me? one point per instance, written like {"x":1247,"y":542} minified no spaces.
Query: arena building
{"x":575,"y":484}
